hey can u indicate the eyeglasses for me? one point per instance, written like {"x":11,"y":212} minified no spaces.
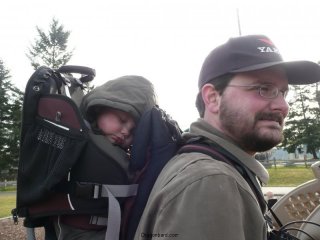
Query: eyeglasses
{"x":266,"y":90}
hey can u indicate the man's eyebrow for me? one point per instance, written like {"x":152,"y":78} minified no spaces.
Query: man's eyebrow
{"x":262,"y":80}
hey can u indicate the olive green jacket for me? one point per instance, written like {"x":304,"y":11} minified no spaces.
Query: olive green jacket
{"x":132,"y":94}
{"x":196,"y":197}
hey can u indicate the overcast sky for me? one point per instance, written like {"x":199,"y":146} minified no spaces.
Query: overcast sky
{"x":165,"y":41}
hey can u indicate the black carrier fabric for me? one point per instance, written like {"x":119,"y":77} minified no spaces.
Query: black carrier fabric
{"x":49,"y":148}
{"x":157,"y":139}
{"x":59,"y":160}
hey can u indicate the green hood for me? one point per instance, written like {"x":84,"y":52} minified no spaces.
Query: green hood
{"x":132,"y":94}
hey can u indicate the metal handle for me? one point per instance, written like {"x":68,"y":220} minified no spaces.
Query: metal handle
{"x":88,"y":73}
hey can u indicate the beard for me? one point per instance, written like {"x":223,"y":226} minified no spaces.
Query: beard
{"x":244,"y":131}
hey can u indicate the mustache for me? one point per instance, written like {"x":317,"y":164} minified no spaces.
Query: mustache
{"x":278,"y":117}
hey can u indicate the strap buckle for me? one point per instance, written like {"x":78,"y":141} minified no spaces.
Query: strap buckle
{"x":87,"y":190}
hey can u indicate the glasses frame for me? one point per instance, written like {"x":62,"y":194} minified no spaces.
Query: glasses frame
{"x":260,"y":87}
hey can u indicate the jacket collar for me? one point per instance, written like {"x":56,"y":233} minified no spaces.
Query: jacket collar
{"x":202,"y":128}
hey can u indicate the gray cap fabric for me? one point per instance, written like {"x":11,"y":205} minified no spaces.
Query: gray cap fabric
{"x":132,"y":94}
{"x":253,"y":52}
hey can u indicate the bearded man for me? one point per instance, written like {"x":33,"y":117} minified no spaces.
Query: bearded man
{"x":242,"y":102}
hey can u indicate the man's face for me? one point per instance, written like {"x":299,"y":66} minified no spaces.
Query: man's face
{"x":251,"y":120}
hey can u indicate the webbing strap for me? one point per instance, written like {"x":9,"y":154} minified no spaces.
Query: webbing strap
{"x":100,"y":221}
{"x":217,"y":152}
{"x":114,"y":211}
{"x":119,"y":190}
{"x":30,"y":234}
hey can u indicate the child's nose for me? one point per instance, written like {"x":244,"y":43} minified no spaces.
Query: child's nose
{"x":125,"y":131}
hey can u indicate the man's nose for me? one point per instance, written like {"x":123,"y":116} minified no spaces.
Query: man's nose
{"x":280,"y":104}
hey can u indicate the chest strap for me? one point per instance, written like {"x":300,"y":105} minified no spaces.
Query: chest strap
{"x":111,"y":192}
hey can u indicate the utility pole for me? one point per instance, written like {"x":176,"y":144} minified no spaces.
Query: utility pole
{"x":239,"y":25}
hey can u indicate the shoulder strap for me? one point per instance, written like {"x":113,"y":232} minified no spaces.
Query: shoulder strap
{"x":218,"y":153}
{"x":215,"y":151}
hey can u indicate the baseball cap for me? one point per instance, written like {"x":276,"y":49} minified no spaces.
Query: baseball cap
{"x":253,"y":52}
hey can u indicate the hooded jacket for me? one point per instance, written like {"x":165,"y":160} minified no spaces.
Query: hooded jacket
{"x":131,"y":94}
{"x":197,"y":197}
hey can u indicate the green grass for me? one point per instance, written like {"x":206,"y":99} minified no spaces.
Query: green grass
{"x":289,"y":176}
{"x":6,"y":189}
{"x":8,"y":202}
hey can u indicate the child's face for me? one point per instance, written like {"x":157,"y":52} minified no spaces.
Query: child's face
{"x":117,"y":126}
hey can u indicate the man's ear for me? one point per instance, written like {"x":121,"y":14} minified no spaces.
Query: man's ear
{"x":211,"y":97}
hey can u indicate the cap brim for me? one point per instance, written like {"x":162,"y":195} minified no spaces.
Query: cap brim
{"x":298,"y":72}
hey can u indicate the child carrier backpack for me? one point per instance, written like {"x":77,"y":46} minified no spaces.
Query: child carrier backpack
{"x":57,"y":148}
{"x":65,"y":169}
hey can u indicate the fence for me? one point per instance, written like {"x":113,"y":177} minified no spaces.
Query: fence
{"x":6,"y":184}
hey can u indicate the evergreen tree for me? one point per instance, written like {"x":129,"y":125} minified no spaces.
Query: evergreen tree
{"x":303,"y":125}
{"x":50,"y":49}
{"x":10,"y":121}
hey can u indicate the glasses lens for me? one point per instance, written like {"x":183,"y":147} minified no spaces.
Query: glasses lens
{"x":268,"y":91}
